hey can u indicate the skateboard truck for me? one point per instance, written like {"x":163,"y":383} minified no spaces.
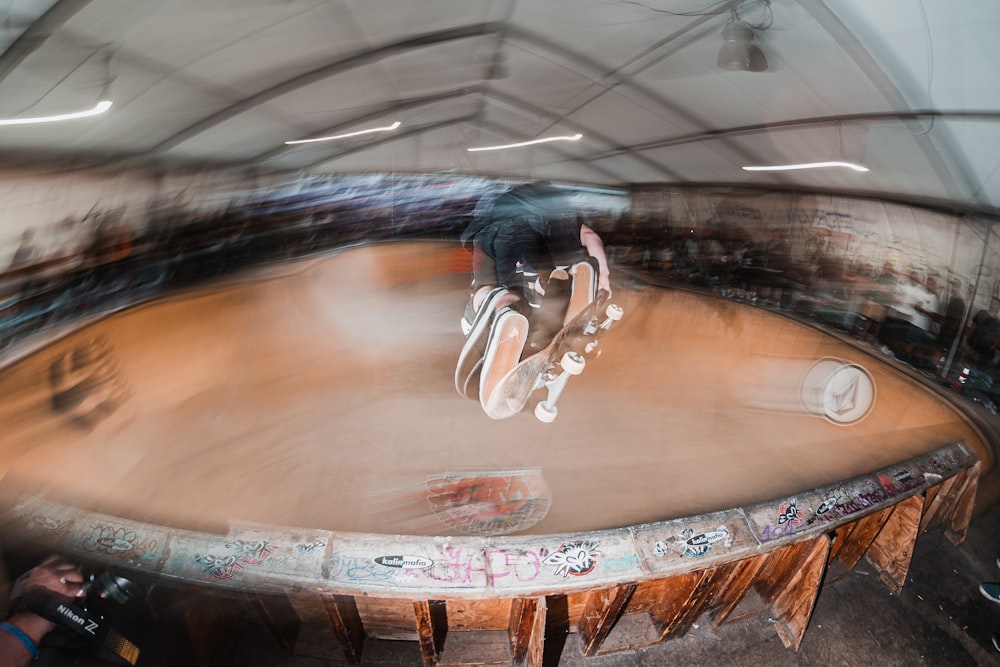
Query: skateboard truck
{"x":552,"y":366}
{"x":572,"y":363}
{"x":614,"y":313}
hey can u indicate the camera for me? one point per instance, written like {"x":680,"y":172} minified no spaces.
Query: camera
{"x":90,"y":620}
{"x":109,"y":586}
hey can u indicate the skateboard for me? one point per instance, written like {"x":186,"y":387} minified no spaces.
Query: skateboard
{"x":551,"y":367}
{"x":565,"y":294}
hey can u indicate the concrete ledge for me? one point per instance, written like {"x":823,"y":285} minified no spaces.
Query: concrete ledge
{"x":262,"y":558}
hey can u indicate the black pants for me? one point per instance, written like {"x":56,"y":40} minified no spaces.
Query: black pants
{"x":511,"y":250}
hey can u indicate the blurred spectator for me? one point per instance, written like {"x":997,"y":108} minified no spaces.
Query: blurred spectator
{"x":26,"y":252}
{"x":875,"y":307}
{"x":950,"y":317}
{"x":907,"y":330}
{"x":916,"y":302}
{"x":984,"y":333}
{"x":887,"y":279}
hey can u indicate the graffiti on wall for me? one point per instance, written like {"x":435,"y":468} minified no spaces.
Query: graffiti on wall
{"x":48,"y":529}
{"x":242,"y":554}
{"x":792,"y":515}
{"x":112,"y":540}
{"x":463,"y":566}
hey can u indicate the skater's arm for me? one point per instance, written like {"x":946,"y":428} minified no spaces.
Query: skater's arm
{"x":595,"y":248}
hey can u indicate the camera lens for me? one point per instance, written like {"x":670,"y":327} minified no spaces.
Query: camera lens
{"x":112,"y":587}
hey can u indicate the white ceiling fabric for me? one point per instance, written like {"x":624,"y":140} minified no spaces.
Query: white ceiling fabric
{"x":909,"y":88}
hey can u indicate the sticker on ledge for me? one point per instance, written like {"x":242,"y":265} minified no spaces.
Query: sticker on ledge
{"x":695,"y":544}
{"x":577,"y":558}
{"x":404,"y":562}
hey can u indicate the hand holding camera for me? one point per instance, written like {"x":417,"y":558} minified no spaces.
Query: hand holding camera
{"x":58,"y":593}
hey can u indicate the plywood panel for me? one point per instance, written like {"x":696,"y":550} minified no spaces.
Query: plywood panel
{"x":211,"y":629}
{"x":958,"y":518}
{"x":344,"y":618}
{"x":527,"y":631}
{"x":794,"y":604}
{"x":478,"y":614}
{"x":385,"y":618}
{"x":601,"y":612}
{"x":740,"y":581}
{"x":279,"y":616}
{"x":936,"y":502}
{"x":865,"y":531}
{"x":431,"y":628}
{"x":892,"y":549}
{"x":680,"y":606}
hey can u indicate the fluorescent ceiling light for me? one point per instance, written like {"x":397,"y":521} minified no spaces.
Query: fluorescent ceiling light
{"x":100,"y":108}
{"x":809,"y":165}
{"x":387,"y":128}
{"x":575,"y":137}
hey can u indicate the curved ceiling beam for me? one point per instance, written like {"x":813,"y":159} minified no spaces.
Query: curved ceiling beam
{"x":428,"y":39}
{"x":874,"y":117}
{"x":430,"y":127}
{"x":674,"y":36}
{"x":586,"y":131}
{"x":38,"y":33}
{"x":883,"y":82}
{"x":403,"y":104}
{"x":613,"y":79}
{"x":357,"y":59}
{"x":606,"y":174}
{"x":618,"y":72}
{"x":392,"y":106}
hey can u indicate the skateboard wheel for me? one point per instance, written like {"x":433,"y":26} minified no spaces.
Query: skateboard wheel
{"x":590,"y":347}
{"x":546,"y":414}
{"x":614,"y":312}
{"x":573,"y":362}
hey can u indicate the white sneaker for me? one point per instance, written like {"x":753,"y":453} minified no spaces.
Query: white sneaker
{"x":472,"y":313}
{"x":508,"y":336}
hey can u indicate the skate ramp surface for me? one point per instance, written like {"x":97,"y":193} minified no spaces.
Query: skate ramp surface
{"x":320,"y":394}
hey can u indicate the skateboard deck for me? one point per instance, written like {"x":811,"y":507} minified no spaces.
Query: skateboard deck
{"x":542,"y":369}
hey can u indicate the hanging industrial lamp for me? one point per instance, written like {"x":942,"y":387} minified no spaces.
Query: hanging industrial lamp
{"x":739,"y":51}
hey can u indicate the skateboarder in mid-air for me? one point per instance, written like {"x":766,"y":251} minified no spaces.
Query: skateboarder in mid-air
{"x":530,"y":233}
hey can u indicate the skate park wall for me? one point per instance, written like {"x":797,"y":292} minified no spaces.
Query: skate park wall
{"x":67,"y":214}
{"x":852,"y":239}
{"x":619,"y":589}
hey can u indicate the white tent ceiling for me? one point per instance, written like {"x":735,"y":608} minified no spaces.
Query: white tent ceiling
{"x":909,"y":88}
